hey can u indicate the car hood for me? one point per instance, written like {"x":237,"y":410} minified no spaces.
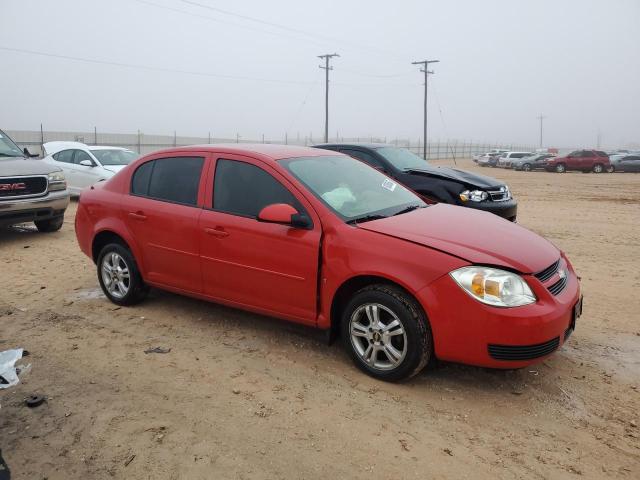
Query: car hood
{"x":478,"y":237}
{"x":472,"y":180}
{"x":23,"y":166}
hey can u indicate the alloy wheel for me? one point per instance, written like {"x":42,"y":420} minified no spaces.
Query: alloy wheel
{"x":378,"y":336}
{"x":115,"y":275}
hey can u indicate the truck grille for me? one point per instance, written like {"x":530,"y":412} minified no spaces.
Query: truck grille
{"x":22,"y":187}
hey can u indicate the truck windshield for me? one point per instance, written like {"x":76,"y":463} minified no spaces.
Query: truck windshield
{"x":402,"y":159}
{"x":352,"y":189}
{"x":114,"y":157}
{"x":8,"y":149}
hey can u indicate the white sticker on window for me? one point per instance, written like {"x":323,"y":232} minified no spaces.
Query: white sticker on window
{"x":389,"y":185}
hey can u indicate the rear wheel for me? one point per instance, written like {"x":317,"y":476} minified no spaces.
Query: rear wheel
{"x":51,"y":225}
{"x":598,"y":168}
{"x":119,"y":276}
{"x":560,"y":168}
{"x":386,"y":333}
{"x":610,"y":169}
{"x":526,"y":167}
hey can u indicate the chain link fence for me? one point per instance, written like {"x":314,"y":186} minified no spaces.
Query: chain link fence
{"x":146,"y":143}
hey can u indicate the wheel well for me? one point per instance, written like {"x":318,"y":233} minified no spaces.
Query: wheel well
{"x":104,"y":238}
{"x":346,"y":291}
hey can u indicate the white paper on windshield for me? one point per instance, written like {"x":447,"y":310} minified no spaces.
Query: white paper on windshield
{"x":389,"y":184}
{"x":338,"y":197}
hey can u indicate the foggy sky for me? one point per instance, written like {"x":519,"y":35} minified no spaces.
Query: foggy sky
{"x":502,"y":63}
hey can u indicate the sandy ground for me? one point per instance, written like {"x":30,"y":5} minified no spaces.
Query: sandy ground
{"x":248,"y":397}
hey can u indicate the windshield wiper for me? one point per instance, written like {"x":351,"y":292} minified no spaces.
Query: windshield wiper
{"x":408,"y":209}
{"x":365,"y":218}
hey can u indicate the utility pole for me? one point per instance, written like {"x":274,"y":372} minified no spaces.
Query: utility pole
{"x":425,"y":69}
{"x":326,"y":69}
{"x":541,"y":118}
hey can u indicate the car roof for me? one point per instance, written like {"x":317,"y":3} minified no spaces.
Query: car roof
{"x":269,"y":151}
{"x":58,"y":146}
{"x":371,"y":145}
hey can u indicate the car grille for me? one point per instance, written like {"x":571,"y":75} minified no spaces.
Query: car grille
{"x":523,"y":352}
{"x":548,"y":272}
{"x":500,"y":195}
{"x":20,"y":187}
{"x":557,"y":287}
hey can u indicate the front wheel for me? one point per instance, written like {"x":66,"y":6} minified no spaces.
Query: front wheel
{"x":526,"y":167}
{"x":51,"y":225}
{"x":560,"y":168}
{"x":119,"y":276}
{"x":610,"y":169}
{"x":386,"y":333}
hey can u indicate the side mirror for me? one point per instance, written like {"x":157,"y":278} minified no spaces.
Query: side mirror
{"x":284,"y":214}
{"x":28,"y":154}
{"x":87,"y":163}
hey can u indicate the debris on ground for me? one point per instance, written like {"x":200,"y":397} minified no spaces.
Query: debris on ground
{"x":5,"y":473}
{"x":129,"y":460}
{"x":33,"y":401}
{"x":158,"y":350}
{"x":8,"y":370}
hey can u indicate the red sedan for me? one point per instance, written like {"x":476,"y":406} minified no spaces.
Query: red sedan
{"x":320,"y":238}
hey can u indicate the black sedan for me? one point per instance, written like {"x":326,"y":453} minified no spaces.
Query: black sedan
{"x":440,"y":184}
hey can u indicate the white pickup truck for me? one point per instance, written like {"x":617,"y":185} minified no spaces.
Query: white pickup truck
{"x":30,"y":190}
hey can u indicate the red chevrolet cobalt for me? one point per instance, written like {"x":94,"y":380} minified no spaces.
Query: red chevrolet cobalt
{"x":320,"y":238}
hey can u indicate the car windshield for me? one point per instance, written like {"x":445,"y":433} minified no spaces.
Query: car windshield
{"x":114,"y":157}
{"x":8,"y":149}
{"x":402,"y":159}
{"x":352,"y":189}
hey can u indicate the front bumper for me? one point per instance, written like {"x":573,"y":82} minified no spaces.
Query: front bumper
{"x":507,"y":209}
{"x":23,"y":210}
{"x":468,"y":331}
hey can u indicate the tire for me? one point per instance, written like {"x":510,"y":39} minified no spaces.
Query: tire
{"x":118,"y":287}
{"x":560,"y":168}
{"x":598,"y":168}
{"x":50,"y":225}
{"x":611,"y":169}
{"x":526,"y":167}
{"x":411,"y":344}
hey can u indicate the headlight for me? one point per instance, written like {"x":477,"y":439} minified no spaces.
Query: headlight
{"x":474,"y":195}
{"x":57,"y":181}
{"x":494,"y":287}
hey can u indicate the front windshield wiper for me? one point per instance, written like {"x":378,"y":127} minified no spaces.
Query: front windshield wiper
{"x":365,"y":218}
{"x":408,"y":209}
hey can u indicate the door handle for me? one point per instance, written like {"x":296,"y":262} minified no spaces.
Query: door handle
{"x":138,"y":215}
{"x":217,"y":232}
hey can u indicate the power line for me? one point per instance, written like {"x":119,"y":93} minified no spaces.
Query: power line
{"x":152,"y":68}
{"x":327,"y":57}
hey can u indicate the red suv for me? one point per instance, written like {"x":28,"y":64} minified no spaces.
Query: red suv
{"x":583,"y":160}
{"x":323,"y":239}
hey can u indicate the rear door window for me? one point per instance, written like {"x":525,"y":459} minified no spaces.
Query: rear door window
{"x":241,"y":188}
{"x":174,"y":180}
{"x":65,"y":156}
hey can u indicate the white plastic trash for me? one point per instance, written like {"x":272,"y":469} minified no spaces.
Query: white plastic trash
{"x":8,"y":373}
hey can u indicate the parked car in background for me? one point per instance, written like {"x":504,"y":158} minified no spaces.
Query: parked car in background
{"x":440,"y":184}
{"x":322,"y":239}
{"x":489,"y":159}
{"x":495,"y":151}
{"x":506,"y":159}
{"x":595,"y":161}
{"x":85,"y":165}
{"x":30,"y":190}
{"x":626,"y":163}
{"x":537,"y":161}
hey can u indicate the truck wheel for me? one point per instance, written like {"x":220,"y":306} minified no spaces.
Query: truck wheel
{"x":597,"y":168}
{"x":526,"y":167}
{"x":119,"y":276}
{"x":560,"y":168}
{"x":50,"y":225}
{"x":386,"y":333}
